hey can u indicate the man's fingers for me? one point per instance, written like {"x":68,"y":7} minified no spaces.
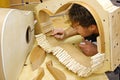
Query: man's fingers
{"x":82,"y":45}
{"x":87,"y":42}
{"x":58,"y":31}
{"x":59,"y":36}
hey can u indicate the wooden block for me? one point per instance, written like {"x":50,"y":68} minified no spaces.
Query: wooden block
{"x":37,"y":57}
{"x":57,"y":74}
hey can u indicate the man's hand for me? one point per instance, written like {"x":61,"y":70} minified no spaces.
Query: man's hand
{"x":58,"y":33}
{"x":88,"y":48}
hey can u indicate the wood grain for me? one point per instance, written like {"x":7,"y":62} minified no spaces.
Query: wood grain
{"x":37,"y":57}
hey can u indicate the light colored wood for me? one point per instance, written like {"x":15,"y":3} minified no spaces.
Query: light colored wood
{"x":115,"y":38}
{"x":57,"y":74}
{"x":37,"y":57}
{"x":24,"y":4}
{"x":15,"y":2}
{"x":32,"y":1}
{"x":18,"y":2}
{"x":77,"y":54}
{"x":4,"y":3}
{"x":40,"y":74}
{"x":46,"y":26}
{"x":98,"y":43}
{"x":45,"y":20}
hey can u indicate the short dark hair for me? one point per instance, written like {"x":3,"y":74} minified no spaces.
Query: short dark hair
{"x":78,"y":13}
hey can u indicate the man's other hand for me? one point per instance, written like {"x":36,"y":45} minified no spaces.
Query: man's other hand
{"x":88,"y":48}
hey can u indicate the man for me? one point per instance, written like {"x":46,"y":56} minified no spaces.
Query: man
{"x":83,"y":24}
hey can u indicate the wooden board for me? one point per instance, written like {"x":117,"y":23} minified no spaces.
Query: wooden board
{"x":115,"y":38}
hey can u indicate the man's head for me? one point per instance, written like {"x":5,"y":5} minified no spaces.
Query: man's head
{"x":82,"y":20}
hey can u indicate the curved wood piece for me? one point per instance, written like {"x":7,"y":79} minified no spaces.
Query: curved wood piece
{"x":37,"y":57}
{"x":57,"y":74}
{"x":40,"y":74}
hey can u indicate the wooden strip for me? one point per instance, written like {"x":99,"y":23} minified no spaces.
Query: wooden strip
{"x":40,"y":75}
{"x":57,"y":74}
{"x":99,"y":47}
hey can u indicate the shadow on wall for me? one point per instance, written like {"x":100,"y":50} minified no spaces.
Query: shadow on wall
{"x":116,"y":2}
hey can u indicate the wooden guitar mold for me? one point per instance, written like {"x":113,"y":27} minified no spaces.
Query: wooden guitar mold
{"x":107,"y":17}
{"x":70,"y":56}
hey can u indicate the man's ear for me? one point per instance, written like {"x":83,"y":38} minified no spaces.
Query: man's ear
{"x":93,"y":27}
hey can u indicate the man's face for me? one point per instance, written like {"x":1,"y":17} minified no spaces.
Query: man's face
{"x":83,"y":31}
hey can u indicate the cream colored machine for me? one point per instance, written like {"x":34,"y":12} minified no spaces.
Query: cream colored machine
{"x":16,"y":40}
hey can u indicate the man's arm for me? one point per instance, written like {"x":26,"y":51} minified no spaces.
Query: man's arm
{"x":70,"y":32}
{"x":62,"y":34}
